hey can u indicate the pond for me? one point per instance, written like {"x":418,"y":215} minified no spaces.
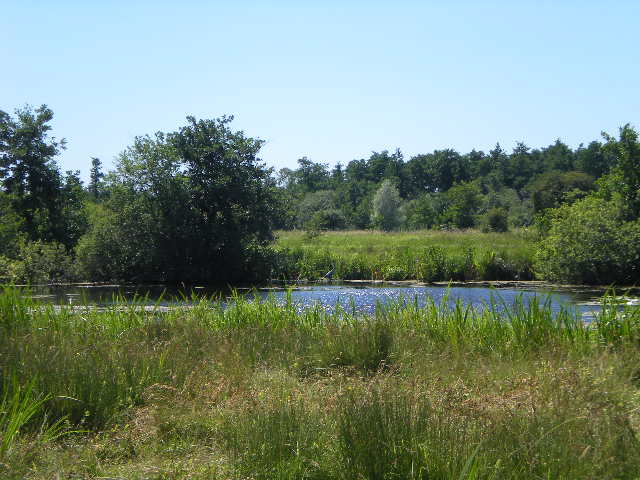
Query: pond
{"x":361,"y":296}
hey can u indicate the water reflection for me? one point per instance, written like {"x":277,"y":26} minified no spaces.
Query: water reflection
{"x":362,"y":298}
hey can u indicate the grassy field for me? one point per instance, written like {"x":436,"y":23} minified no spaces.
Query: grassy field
{"x":263,"y":391}
{"x":421,"y":255}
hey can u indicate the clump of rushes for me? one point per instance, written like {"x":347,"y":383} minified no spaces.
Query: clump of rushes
{"x":263,"y":390}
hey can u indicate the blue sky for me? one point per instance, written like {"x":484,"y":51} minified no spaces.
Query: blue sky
{"x":329,"y":80}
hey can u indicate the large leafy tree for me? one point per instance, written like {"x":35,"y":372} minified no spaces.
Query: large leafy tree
{"x":624,"y":181}
{"x":10,"y":227}
{"x":558,"y":157}
{"x":195,"y":205}
{"x":521,"y":167}
{"x":597,"y":239}
{"x":28,"y":170}
{"x":588,"y":243}
{"x":313,"y":203}
{"x":445,"y":168}
{"x":593,"y":159}
{"x":423,"y":212}
{"x":551,"y":189}
{"x":463,"y":202}
{"x":311,"y":176}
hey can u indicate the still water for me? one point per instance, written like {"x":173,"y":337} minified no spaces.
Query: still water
{"x":359,"y":297}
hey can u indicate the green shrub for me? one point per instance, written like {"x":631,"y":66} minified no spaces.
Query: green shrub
{"x":330,"y":219}
{"x":587,"y":243}
{"x":38,"y":262}
{"x":431,"y":264}
{"x":495,"y":220}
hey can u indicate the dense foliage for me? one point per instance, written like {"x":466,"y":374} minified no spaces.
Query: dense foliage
{"x":585,"y":203}
{"x":194,"y":204}
{"x":191,"y":205}
{"x":42,"y":209}
{"x":448,"y":189}
{"x":197,"y":205}
{"x":597,"y":239}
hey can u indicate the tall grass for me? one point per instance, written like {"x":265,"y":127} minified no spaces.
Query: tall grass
{"x":425,"y":256}
{"x":19,"y":407}
{"x":268,"y":391}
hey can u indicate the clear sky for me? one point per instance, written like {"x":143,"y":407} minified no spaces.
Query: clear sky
{"x":332,"y":80}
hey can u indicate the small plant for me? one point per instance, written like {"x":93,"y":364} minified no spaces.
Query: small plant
{"x":19,"y":408}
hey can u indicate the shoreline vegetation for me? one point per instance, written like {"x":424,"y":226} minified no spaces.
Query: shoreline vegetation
{"x":422,"y":256}
{"x":197,"y":204}
{"x":261,"y":390}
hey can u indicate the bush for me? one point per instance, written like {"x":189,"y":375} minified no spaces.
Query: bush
{"x":588,"y":243}
{"x":38,"y":262}
{"x":495,"y":220}
{"x":422,"y":212}
{"x":330,"y":219}
{"x":463,"y":201}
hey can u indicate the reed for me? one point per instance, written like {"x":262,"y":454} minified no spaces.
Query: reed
{"x":426,"y":256}
{"x":265,"y":390}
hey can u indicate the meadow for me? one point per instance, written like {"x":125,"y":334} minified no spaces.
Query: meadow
{"x":427,"y":255}
{"x":265,"y":391}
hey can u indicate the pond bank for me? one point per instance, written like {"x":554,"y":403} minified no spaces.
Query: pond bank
{"x":261,"y":389}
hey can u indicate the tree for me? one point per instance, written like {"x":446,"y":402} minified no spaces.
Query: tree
{"x":495,"y":220}
{"x":311,"y":176}
{"x":463,"y":202}
{"x":28,"y":171}
{"x":495,"y":164}
{"x":519,"y":210}
{"x":382,"y":165}
{"x":386,"y":207}
{"x":558,"y":157}
{"x":443,"y":168}
{"x":521,"y":167}
{"x":10,"y":227}
{"x":360,"y":216}
{"x":195,"y":205}
{"x":593,"y":160}
{"x":312,"y":204}
{"x":73,"y":221}
{"x":625,"y":177}
{"x":423,"y":211}
{"x":95,"y":178}
{"x":549,"y":190}
{"x":589,"y":243}
{"x":327,"y":220}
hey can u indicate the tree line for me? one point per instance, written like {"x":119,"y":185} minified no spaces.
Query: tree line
{"x":192,"y":205}
{"x":443,"y":189}
{"x":198,"y":205}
